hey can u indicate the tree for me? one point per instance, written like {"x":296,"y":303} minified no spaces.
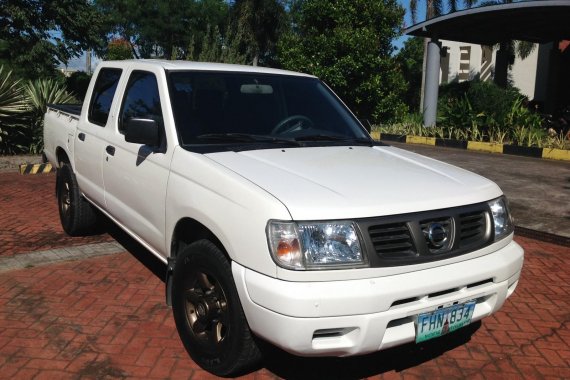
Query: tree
{"x":77,"y":84}
{"x":257,"y":25}
{"x":409,"y":59}
{"x":118,"y":49}
{"x":169,"y":29}
{"x":348,"y":44}
{"x":217,"y":48}
{"x":435,"y":8}
{"x":36,"y":35}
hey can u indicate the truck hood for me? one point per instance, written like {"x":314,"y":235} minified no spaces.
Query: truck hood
{"x":325,"y":183}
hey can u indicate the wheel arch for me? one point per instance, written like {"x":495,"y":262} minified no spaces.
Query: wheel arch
{"x":61,"y":156}
{"x":186,"y":232}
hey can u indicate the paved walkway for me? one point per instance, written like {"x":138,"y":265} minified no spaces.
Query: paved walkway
{"x":75,"y":308}
{"x":29,"y":219}
{"x":105,"y":317}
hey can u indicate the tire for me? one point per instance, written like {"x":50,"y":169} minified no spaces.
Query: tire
{"x":208,"y":314}
{"x":76,"y":214}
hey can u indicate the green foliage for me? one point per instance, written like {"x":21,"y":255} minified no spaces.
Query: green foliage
{"x":410,"y":59}
{"x":489,"y":104}
{"x":483,"y":111}
{"x":13,"y":108}
{"x":172,"y":29}
{"x":557,"y":141}
{"x":37,"y":35}
{"x":520,"y":116}
{"x":460,"y":121}
{"x":42,"y":92}
{"x":39,"y":94}
{"x":22,"y":108}
{"x":217,"y":49}
{"x":348,"y":44}
{"x":12,"y":101}
{"x":459,"y":113}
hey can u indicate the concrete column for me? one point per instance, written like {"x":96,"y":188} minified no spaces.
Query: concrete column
{"x":431,"y":90}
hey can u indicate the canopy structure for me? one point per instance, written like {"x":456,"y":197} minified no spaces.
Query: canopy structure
{"x":534,"y":21}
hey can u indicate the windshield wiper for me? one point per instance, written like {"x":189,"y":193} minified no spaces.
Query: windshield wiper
{"x":359,"y":140}
{"x":245,"y":137}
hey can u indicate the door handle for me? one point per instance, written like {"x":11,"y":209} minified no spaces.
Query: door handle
{"x":81,"y":136}
{"x":110,"y":150}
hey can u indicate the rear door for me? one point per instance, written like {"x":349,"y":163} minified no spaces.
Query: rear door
{"x":89,"y":149}
{"x":136,"y":175}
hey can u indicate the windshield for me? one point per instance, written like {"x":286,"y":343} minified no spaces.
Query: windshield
{"x":224,"y":108}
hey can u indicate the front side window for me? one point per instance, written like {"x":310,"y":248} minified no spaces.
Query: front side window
{"x":141,"y":100}
{"x":103,"y":93}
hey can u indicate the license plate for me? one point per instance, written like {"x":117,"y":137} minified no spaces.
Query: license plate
{"x":442,"y":321}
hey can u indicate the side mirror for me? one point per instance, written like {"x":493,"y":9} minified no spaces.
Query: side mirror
{"x":142,"y":131}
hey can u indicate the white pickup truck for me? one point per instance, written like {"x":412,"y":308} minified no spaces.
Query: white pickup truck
{"x":275,"y":213}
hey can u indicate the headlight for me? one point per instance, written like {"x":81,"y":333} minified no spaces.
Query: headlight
{"x":501,"y":217}
{"x":304,"y":246}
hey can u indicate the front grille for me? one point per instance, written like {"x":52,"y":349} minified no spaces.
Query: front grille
{"x":472,"y":227}
{"x":426,"y":236}
{"x":392,"y":240}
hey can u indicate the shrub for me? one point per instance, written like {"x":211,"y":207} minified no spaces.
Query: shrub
{"x":13,"y":110}
{"x":488,"y":102}
{"x":39,"y":94}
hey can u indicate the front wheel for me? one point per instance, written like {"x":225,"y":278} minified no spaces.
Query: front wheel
{"x":207,"y":311}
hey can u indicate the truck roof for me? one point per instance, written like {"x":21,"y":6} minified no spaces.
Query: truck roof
{"x":202,"y":66}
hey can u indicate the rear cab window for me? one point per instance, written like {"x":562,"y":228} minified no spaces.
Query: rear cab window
{"x":103,"y":94}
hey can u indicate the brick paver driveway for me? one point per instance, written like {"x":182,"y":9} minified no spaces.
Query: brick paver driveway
{"x":104,"y":317}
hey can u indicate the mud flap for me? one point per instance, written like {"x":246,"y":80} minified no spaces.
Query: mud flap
{"x":169,"y":271}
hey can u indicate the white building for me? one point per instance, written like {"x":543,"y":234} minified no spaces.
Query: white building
{"x":463,"y":61}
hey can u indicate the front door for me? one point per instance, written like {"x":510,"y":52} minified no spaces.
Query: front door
{"x":136,"y":175}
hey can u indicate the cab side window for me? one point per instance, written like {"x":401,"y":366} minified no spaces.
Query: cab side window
{"x":141,"y":100}
{"x":103,"y":93}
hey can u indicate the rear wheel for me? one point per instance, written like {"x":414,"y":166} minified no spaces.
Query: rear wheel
{"x":207,"y":311}
{"x":76,"y":214}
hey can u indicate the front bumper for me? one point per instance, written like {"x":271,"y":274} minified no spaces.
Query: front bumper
{"x":353,"y":317}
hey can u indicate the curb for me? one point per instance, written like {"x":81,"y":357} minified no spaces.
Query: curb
{"x":35,"y":168}
{"x":546,"y":237}
{"x":545,"y":153}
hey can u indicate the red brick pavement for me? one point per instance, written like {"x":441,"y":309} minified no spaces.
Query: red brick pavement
{"x":105,"y":318}
{"x":29,"y":218}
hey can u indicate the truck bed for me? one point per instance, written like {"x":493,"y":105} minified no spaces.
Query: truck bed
{"x":72,"y":109}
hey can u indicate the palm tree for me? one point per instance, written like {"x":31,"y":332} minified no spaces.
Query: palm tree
{"x":434,"y":8}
